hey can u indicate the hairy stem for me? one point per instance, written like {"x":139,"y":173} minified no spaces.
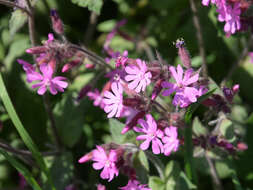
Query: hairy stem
{"x":199,"y":38}
{"x":215,"y":179}
{"x":91,"y":28}
{"x":52,"y":121}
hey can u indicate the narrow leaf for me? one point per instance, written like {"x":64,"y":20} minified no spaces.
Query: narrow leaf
{"x":22,"y":169}
{"x":21,"y":130}
{"x":18,"y":19}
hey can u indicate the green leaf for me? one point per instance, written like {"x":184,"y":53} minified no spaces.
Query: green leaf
{"x":143,"y":159}
{"x":172,"y":172}
{"x":18,"y":19}
{"x":198,"y":128}
{"x":17,"y":48}
{"x":22,"y":169}
{"x":69,"y":119}
{"x":227,"y":130}
{"x":224,"y":168}
{"x":106,"y":26}
{"x":22,"y":131}
{"x":189,"y":164}
{"x":184,"y":183}
{"x":62,"y":170}
{"x":93,"y":5}
{"x":155,"y":182}
{"x":115,"y":128}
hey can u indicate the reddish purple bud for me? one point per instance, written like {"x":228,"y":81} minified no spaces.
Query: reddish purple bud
{"x":56,"y":22}
{"x":133,"y":122}
{"x":235,"y":88}
{"x":90,"y":66}
{"x":242,"y":146}
{"x":132,"y":102}
{"x":83,"y":92}
{"x":36,"y":50}
{"x":183,"y":53}
{"x":70,"y":187}
{"x":228,"y":93}
{"x":70,"y":65}
{"x":86,"y":158}
{"x":157,"y":89}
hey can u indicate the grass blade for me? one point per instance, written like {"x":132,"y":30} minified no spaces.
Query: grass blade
{"x":22,"y":169}
{"x":22,"y":131}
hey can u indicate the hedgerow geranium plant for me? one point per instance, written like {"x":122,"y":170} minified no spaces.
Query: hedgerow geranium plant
{"x":138,"y":105}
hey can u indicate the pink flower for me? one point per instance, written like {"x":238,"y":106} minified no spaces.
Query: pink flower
{"x":107,"y":162}
{"x":251,"y":56}
{"x":231,"y":15}
{"x":134,"y":185}
{"x":138,"y":76}
{"x":152,"y":134}
{"x":170,"y":140}
{"x":114,"y":101}
{"x":101,"y":187}
{"x":46,"y":80}
{"x":206,"y":2}
{"x":122,"y":59}
{"x":185,"y":94}
{"x":28,"y":68}
{"x":98,"y":99}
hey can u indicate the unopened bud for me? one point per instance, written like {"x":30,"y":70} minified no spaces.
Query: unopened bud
{"x":56,"y":22}
{"x":133,"y":122}
{"x":36,"y":50}
{"x":157,"y":89}
{"x":183,"y":53}
{"x":83,"y":92}
{"x":242,"y":146}
{"x":86,"y":158}
{"x":70,"y":65}
{"x":235,"y":88}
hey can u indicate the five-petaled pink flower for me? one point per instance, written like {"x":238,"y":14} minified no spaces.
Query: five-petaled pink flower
{"x":138,"y":75}
{"x":114,"y":100}
{"x":133,"y":184}
{"x":106,"y":161}
{"x":185,"y":94}
{"x":152,"y":134}
{"x":170,"y":140}
{"x":46,"y":79}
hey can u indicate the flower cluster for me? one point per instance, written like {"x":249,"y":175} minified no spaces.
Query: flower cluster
{"x":229,"y":12}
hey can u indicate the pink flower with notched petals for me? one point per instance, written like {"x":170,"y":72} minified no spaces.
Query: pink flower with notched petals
{"x":105,"y":161}
{"x":133,"y":184}
{"x":96,"y":96}
{"x":46,"y":79}
{"x":28,"y":68}
{"x":185,"y":94}
{"x":114,"y":100}
{"x":170,"y":140}
{"x":206,"y":2}
{"x":138,"y":76}
{"x":231,"y":15}
{"x":151,"y":134}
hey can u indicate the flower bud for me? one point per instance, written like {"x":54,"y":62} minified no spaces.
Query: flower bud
{"x":36,"y":50}
{"x":83,"y":92}
{"x":133,"y":122}
{"x":183,"y":53}
{"x":56,"y":22}
{"x":242,"y":146}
